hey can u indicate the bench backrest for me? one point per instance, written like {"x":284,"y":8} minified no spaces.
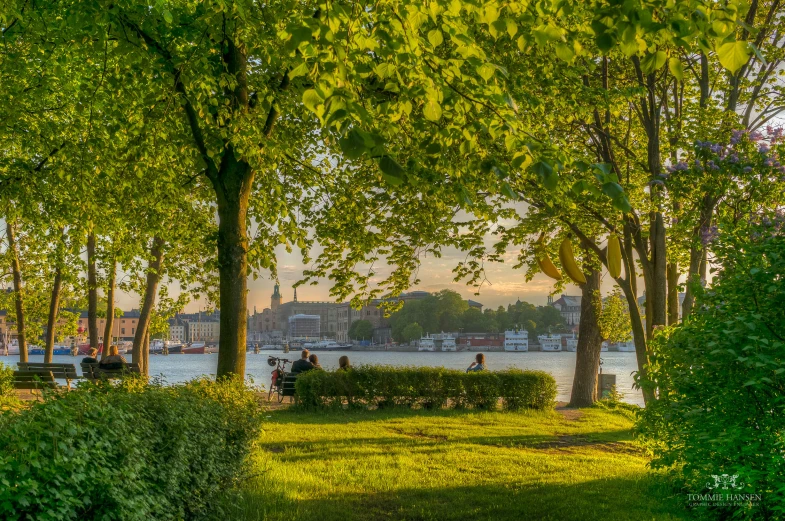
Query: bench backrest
{"x":287,"y":386}
{"x":61,"y":371}
{"x":95,"y":371}
{"x":34,"y":380}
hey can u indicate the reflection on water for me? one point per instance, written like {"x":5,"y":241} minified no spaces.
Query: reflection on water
{"x":178,"y":368}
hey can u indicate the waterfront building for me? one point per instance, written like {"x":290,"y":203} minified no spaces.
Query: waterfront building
{"x":570,"y":308}
{"x":304,"y":326}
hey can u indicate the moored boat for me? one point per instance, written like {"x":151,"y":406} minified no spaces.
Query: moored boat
{"x":196,"y":348}
{"x":448,"y":344}
{"x":426,"y":344}
{"x":572,"y":344}
{"x":550,"y":343}
{"x":516,"y":340}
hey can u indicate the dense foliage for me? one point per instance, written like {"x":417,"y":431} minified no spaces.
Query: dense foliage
{"x":447,"y":311}
{"x":385,"y":386}
{"x":131,"y":452}
{"x":720,"y":377}
{"x":361,"y":330}
{"x":6,"y":380}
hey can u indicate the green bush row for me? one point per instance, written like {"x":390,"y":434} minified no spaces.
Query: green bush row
{"x":384,"y":386}
{"x":130,"y":451}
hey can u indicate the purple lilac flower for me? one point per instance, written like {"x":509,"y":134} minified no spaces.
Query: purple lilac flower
{"x":681,"y":165}
{"x":709,"y":234}
{"x":769,"y":161}
{"x":716,"y":148}
{"x":697,"y":163}
{"x":713,"y":166}
{"x":747,"y":169}
{"x":733,"y":158}
{"x":763,"y":148}
{"x":756,"y":136}
{"x":736,"y":136}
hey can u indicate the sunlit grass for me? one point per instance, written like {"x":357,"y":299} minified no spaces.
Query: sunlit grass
{"x":449,"y":465}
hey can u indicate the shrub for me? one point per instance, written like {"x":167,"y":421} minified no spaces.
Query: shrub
{"x":130,"y":451}
{"x":426,"y":387}
{"x":6,"y":380}
{"x":720,"y":380}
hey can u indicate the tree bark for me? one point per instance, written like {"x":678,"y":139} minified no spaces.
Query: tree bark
{"x":696,"y":272}
{"x":587,"y":360}
{"x":18,"y":299}
{"x":146,"y":355}
{"x":92,"y":292}
{"x":109,"y":307}
{"x":673,"y":293}
{"x":51,"y":323}
{"x":233,"y":198}
{"x":141,"y":337}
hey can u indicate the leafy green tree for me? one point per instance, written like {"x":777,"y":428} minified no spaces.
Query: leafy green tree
{"x":614,"y":317}
{"x":361,"y":330}
{"x":727,"y":356}
{"x":412,"y":332}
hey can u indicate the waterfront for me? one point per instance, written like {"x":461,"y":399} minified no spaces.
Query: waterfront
{"x":179,"y":368}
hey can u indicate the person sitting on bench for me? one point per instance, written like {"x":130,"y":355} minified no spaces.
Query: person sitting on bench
{"x":303,"y":364}
{"x":114,"y":360}
{"x":92,"y":358}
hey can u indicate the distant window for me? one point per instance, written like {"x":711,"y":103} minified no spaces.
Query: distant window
{"x":133,"y":330}
{"x":122,"y":331}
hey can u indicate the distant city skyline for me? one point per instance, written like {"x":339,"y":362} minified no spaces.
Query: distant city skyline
{"x":505,"y":285}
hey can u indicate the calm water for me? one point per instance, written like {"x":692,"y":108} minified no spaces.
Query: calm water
{"x":179,"y":368}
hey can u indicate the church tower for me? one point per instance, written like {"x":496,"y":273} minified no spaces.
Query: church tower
{"x":275,"y":300}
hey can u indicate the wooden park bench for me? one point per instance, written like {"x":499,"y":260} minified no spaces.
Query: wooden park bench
{"x":65,"y":372}
{"x":94,"y":372}
{"x":34,"y":380}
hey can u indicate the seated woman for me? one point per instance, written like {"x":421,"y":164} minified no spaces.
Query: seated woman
{"x":315,"y":361}
{"x":92,"y":358}
{"x":479,"y":365}
{"x":114,"y":360}
{"x":343,"y":363}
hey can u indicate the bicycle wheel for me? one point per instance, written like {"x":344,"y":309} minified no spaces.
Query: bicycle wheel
{"x":280,"y":394}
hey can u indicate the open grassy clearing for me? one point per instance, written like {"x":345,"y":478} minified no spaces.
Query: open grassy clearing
{"x":452,"y":465}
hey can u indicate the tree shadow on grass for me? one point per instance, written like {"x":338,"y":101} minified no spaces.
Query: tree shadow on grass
{"x":297,"y":415}
{"x":636,"y":498}
{"x":417,"y":442}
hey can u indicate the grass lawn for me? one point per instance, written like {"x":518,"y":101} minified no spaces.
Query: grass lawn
{"x":451,"y":465}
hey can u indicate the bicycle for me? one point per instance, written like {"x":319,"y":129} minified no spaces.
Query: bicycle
{"x":279,"y":374}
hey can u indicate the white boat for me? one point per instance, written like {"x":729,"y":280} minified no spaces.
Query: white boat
{"x":604,"y":347}
{"x":572,"y":344}
{"x":448,"y":344}
{"x":516,"y":340}
{"x":12,"y":348}
{"x":325,"y":344}
{"x":426,"y":344}
{"x":550,"y":343}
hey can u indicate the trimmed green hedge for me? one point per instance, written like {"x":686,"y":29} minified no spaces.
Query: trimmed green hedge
{"x":427,"y":387}
{"x":130,"y":451}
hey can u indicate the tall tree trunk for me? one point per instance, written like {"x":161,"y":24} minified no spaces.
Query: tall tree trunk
{"x":638,"y":336}
{"x":696,"y":272}
{"x":92,"y":292}
{"x":109,"y":307}
{"x":51,"y":323}
{"x":673,"y":293}
{"x":587,"y":360}
{"x":146,"y":355}
{"x":17,"y":272}
{"x":139,"y":354}
{"x":237,"y":179}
